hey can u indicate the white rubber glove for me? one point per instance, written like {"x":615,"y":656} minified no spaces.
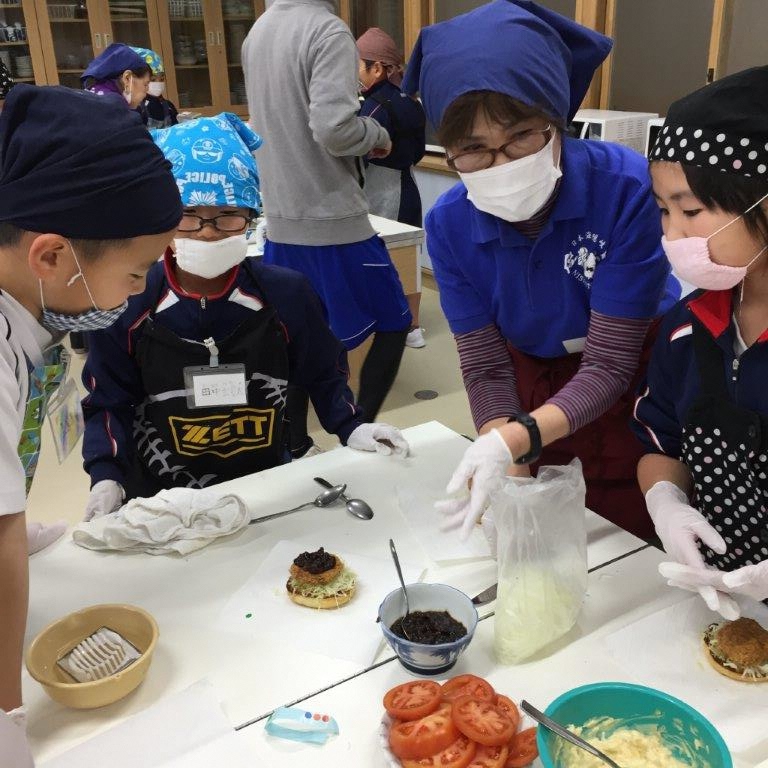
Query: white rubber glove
{"x":106,"y":496}
{"x":382,"y":438}
{"x":485,"y":463}
{"x":40,"y":536}
{"x":19,"y":717}
{"x":14,"y":747}
{"x":750,"y":580}
{"x":708,"y":583}
{"x":680,"y":526}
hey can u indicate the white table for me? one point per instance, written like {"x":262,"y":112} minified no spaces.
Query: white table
{"x":185,"y":595}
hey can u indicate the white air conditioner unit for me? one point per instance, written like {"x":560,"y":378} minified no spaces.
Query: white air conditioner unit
{"x":627,"y":128}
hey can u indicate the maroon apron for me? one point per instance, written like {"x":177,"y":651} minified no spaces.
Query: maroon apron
{"x":608,"y":449}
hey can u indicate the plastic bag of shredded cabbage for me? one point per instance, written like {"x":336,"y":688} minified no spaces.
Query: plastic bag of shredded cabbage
{"x":542,"y":559}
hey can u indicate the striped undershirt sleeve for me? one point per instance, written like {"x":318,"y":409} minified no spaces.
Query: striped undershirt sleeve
{"x":489,"y":375}
{"x":609,"y":363}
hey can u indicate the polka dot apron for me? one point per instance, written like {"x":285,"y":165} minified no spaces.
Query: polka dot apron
{"x":725,"y":447}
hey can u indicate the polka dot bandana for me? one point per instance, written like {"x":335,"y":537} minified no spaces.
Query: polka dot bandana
{"x":711,"y":149}
{"x":6,"y":81}
{"x":722,"y":126}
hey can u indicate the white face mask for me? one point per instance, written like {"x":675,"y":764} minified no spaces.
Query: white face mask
{"x":210,"y":259}
{"x":156,"y":89}
{"x":127,"y":90}
{"x":516,"y":190}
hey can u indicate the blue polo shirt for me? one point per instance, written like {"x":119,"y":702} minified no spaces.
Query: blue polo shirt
{"x":599,"y":250}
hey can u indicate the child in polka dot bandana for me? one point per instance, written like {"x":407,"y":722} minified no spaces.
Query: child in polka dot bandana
{"x":702,"y":411}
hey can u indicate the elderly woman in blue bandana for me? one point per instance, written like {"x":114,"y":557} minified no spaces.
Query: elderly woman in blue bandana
{"x":547,"y":255}
{"x":119,"y":72}
{"x":189,"y":388}
{"x":156,"y":110}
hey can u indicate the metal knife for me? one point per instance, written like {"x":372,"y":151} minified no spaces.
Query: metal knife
{"x":486,"y":596}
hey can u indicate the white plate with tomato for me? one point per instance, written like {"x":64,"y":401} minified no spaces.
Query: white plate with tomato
{"x":463,"y":723}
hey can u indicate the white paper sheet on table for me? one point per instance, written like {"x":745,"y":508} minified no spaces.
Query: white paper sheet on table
{"x":664,"y":651}
{"x":186,"y":730}
{"x":417,"y":506}
{"x":349,"y":632}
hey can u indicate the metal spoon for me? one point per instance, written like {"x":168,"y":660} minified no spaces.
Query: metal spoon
{"x":356,"y":507}
{"x":564,"y":733}
{"x":325,"y":499}
{"x":402,"y":584}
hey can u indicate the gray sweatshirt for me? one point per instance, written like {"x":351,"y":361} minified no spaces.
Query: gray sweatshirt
{"x":300,"y":62}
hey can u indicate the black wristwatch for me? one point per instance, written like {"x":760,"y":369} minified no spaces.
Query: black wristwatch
{"x":533,"y":435}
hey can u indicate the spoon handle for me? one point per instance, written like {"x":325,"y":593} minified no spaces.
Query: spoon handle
{"x":326,"y":484}
{"x":399,"y":574}
{"x":281,"y":514}
{"x":564,"y":733}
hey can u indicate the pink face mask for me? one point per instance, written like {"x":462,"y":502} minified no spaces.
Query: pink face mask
{"x":691,"y":260}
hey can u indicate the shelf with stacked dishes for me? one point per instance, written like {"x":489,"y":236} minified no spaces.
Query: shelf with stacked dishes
{"x":134,"y":22}
{"x":71,"y":36}
{"x":238,"y":16}
{"x":20,"y":50}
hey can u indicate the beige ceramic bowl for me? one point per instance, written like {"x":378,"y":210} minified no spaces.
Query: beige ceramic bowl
{"x":59,"y":638}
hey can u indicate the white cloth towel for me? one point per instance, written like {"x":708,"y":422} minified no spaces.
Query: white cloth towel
{"x":179,"y":520}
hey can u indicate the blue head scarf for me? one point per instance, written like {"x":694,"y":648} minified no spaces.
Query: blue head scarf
{"x":113,"y":62}
{"x":514,"y":47}
{"x":151,"y":59}
{"x":212,"y":161}
{"x":82,"y":167}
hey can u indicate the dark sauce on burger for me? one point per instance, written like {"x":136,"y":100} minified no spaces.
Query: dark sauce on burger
{"x":429,"y":627}
{"x":315,"y":562}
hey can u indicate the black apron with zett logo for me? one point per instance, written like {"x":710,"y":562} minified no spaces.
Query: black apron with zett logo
{"x":181,"y":446}
{"x":725,"y":447}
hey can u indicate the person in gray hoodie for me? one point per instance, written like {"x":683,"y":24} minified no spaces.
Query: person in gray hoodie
{"x":301,"y":64}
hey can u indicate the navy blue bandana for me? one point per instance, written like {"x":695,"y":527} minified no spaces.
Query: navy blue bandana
{"x":81,"y":166}
{"x":723,"y":126}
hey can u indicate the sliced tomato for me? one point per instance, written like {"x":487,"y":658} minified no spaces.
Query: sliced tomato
{"x":482,"y":721}
{"x":522,"y":749}
{"x":414,"y":700}
{"x":416,"y":739}
{"x":490,"y":757}
{"x":467,"y":685}
{"x":457,"y":755}
{"x":509,"y":708}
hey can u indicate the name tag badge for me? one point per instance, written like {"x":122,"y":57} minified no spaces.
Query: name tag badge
{"x":209,"y":387}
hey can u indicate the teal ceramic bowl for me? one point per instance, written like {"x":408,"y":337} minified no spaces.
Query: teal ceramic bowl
{"x":682,"y":725}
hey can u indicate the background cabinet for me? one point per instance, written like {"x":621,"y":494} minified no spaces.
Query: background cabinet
{"x":21,"y":49}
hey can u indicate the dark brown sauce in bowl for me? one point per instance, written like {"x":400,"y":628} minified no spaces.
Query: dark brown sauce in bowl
{"x":429,"y":627}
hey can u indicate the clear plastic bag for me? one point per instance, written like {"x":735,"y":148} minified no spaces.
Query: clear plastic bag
{"x":542,"y":559}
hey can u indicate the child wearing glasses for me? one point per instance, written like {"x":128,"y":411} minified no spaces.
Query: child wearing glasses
{"x":189,"y":388}
{"x":547,"y":255}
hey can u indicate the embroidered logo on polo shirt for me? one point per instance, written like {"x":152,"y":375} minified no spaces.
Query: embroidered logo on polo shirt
{"x":588,"y":250}
{"x":241,"y":429}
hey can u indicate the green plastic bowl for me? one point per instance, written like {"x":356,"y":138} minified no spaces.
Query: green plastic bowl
{"x":628,"y":702}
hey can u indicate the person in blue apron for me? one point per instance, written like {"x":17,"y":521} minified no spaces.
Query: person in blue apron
{"x":69,"y":258}
{"x":189,"y":388}
{"x":702,"y":412}
{"x":157,"y":111}
{"x":389,"y":183}
{"x":546,"y":254}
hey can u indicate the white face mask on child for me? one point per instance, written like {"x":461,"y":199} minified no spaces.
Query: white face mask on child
{"x":156,"y":89}
{"x":210,"y":258}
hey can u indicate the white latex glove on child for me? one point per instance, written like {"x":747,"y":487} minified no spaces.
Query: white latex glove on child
{"x":40,"y":536}
{"x":382,"y":438}
{"x":707,"y":583}
{"x":106,"y":496}
{"x":14,"y":748}
{"x":485,"y":463}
